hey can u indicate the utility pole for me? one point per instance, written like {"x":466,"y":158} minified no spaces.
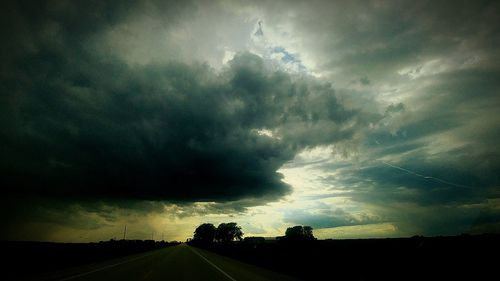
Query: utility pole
{"x":125,"y":232}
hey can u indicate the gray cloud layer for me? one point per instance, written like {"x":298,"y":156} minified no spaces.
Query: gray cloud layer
{"x":430,"y":70}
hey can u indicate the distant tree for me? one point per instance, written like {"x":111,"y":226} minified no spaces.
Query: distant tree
{"x":205,"y":233}
{"x":227,"y":232}
{"x":299,"y":233}
{"x":308,"y":232}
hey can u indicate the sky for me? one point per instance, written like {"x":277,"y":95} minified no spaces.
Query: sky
{"x":359,"y":118}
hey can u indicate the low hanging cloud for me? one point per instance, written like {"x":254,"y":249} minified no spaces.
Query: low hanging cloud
{"x":164,"y":131}
{"x":78,"y":125}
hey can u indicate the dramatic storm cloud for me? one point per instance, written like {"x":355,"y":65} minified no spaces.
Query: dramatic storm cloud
{"x":377,"y":117}
{"x":163,"y":131}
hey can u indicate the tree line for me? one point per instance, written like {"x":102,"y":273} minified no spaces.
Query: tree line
{"x":207,"y":233}
{"x":225,"y":232}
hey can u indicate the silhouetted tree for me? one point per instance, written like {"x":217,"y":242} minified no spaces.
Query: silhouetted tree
{"x":227,"y":232}
{"x":205,"y":233}
{"x":308,"y":232}
{"x":299,"y":233}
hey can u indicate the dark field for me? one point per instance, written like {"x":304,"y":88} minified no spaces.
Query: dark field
{"x":25,"y":259}
{"x":418,"y":258}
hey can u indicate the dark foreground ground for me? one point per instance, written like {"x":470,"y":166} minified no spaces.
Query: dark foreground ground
{"x":462,"y":257}
{"x":178,"y":263}
{"x":419,"y":258}
{"x":23,"y":259}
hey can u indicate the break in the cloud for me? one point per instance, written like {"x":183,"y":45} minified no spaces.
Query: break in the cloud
{"x":367,"y":116}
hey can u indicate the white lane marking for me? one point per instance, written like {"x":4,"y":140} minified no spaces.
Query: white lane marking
{"x":105,"y":267}
{"x":209,"y":262}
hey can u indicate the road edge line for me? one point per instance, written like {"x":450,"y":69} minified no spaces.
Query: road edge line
{"x":209,"y":262}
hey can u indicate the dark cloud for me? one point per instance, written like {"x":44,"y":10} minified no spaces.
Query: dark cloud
{"x":259,"y":31}
{"x":364,"y":81}
{"x":83,"y":126}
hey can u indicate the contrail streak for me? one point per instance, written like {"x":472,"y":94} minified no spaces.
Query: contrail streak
{"x":426,"y":177}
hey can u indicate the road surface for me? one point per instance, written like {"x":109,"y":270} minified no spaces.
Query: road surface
{"x":178,"y":263}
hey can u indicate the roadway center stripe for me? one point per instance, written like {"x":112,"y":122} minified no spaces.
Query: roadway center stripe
{"x":105,"y":267}
{"x":209,"y":262}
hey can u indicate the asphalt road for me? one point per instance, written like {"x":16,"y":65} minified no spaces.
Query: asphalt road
{"x":180,"y":262}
